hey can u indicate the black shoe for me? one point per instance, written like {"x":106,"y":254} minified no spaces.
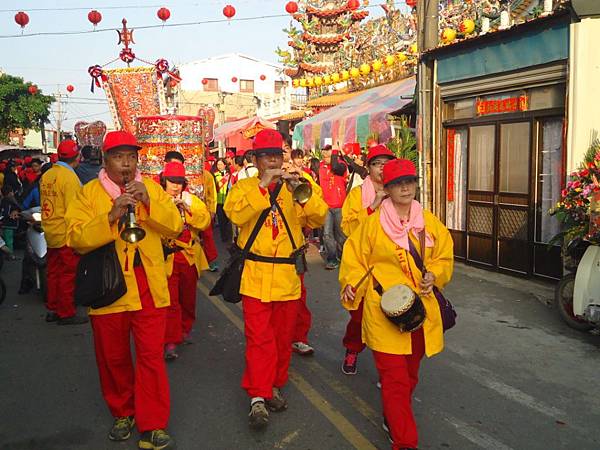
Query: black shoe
{"x":52,"y":317}
{"x":73,"y":320}
{"x":156,"y":440}
{"x":258,"y":418}
{"x":277,"y":403}
{"x":121,"y":429}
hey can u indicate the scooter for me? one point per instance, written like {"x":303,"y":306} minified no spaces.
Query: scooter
{"x":36,"y":249}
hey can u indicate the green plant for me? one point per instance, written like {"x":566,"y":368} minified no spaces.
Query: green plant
{"x":404,"y":143}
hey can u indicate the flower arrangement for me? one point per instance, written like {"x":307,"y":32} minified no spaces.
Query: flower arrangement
{"x":574,"y":208}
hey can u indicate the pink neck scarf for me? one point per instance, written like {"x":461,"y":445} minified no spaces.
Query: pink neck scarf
{"x":397,"y":230}
{"x":367,"y":190}
{"x":112,"y":188}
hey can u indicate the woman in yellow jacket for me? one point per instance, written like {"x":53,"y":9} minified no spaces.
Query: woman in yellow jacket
{"x":361,"y":202}
{"x":134,"y":392}
{"x":185,"y":258}
{"x":270,"y":284}
{"x":380,"y":244}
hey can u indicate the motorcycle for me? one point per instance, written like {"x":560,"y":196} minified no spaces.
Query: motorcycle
{"x":577,"y":295}
{"x":36,"y":249}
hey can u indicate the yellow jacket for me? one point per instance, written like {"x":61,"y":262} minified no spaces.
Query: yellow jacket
{"x":353,"y":213}
{"x":88,"y":229}
{"x":244,"y":203}
{"x":369,"y":246}
{"x":58,"y":187}
{"x":210,"y":192}
{"x":198,"y":220}
{"x":315,"y":187}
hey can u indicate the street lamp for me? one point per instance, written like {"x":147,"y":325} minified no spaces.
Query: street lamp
{"x":586,"y":8}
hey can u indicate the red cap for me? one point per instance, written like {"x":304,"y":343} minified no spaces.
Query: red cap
{"x":174,"y":169}
{"x":379,"y":150}
{"x":230,"y":154}
{"x":266,"y":142}
{"x":211,"y":158}
{"x":67,"y":149}
{"x":27,"y":159}
{"x":398,"y":170}
{"x":119,"y":138}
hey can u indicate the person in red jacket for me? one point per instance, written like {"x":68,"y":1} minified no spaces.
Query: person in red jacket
{"x":332,"y":178}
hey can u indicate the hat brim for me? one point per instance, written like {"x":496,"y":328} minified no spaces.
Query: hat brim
{"x":127,"y":146}
{"x":400,"y":179}
{"x":267,"y":151}
{"x":389,"y":157}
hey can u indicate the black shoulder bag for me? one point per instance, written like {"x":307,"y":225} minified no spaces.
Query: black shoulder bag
{"x":228,"y":284}
{"x":99,"y":280}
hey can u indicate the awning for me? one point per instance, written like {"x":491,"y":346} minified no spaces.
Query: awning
{"x":229,"y":129}
{"x":355,"y":119}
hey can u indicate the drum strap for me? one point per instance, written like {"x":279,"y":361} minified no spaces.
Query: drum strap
{"x":416,"y":254}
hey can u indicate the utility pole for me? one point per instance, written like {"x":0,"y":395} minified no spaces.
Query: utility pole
{"x":59,"y":114}
{"x":427,"y":39}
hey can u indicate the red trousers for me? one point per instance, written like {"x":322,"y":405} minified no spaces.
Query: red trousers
{"x":269,"y":328}
{"x":61,"y":271}
{"x":140,"y":390}
{"x":181,"y":314}
{"x":304,"y":319}
{"x":208,"y":243}
{"x":353,"y":337}
{"x":399,"y":375}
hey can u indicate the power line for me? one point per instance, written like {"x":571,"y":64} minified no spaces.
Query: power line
{"x":79,"y":8}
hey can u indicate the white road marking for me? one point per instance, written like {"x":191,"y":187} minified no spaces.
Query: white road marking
{"x":475,"y":436}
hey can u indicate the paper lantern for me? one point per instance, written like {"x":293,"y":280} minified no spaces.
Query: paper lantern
{"x":327,"y":79}
{"x":354,"y":72}
{"x":94,"y":17}
{"x":22,"y":19}
{"x":234,"y":79}
{"x":448,"y":35}
{"x":401,"y":57}
{"x":365,"y":69}
{"x":32,"y":89}
{"x":263,"y":77}
{"x":310,"y":82}
{"x":335,"y":77}
{"x":377,"y":65}
{"x":467,"y":26}
{"x":353,"y":5}
{"x":296,"y":83}
{"x":229,"y":11}
{"x":303,"y":82}
{"x":163,"y":14}
{"x":345,"y":75}
{"x":414,"y":49}
{"x":291,"y":7}
{"x":390,"y":60}
{"x":411,"y":3}
{"x":318,"y":81}
{"x":70,"y":88}
{"x":204,"y":81}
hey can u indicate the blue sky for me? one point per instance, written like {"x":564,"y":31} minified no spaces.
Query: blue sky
{"x":50,"y":61}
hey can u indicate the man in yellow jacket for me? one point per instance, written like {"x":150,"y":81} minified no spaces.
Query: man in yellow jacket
{"x":361,"y":202}
{"x":134,"y":392}
{"x":185,"y":258}
{"x":270,"y":284}
{"x":58,"y":187}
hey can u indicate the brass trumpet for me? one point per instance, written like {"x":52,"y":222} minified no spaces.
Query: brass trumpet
{"x":301,"y":189}
{"x":131,"y":232}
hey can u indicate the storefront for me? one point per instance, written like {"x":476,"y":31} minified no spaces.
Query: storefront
{"x":501,"y":124}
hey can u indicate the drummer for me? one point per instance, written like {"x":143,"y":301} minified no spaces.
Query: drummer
{"x":380,"y":244}
{"x":361,"y":202}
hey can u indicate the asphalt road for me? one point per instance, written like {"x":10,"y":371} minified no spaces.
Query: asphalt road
{"x":512,"y":377}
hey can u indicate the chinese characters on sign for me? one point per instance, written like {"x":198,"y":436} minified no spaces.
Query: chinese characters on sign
{"x":500,"y":106}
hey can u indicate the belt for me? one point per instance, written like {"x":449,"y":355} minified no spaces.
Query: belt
{"x":270,"y":259}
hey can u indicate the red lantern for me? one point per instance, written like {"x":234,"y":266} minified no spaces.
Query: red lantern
{"x":411,"y":3}
{"x":70,"y":88}
{"x":234,"y":79}
{"x":22,"y":19}
{"x":229,"y":11}
{"x":353,"y":5}
{"x":291,"y":7}
{"x":163,"y":14}
{"x":173,"y":83}
{"x":94,"y":17}
{"x":32,"y":89}
{"x":204,"y":81}
{"x":263,"y":77}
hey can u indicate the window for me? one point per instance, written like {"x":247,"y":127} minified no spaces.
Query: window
{"x":279,"y":85}
{"x":247,"y":86}
{"x":514,"y":157}
{"x":212,"y":85}
{"x":481,"y":158}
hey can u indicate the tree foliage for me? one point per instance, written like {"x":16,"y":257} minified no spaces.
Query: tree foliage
{"x":19,"y":108}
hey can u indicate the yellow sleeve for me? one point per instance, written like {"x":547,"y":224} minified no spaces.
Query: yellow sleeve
{"x":86,"y":231}
{"x":353,"y":213}
{"x":162,"y":216}
{"x":312,"y":214}
{"x":317,"y":190}
{"x":200,"y":217}
{"x":71,"y":187}
{"x":210,"y":192}
{"x":441,"y":262}
{"x":246,"y":201}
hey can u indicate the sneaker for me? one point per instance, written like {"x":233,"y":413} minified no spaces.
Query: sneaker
{"x":331,"y":265}
{"x":349,"y":364}
{"x":121,"y":429}
{"x":187,"y":339}
{"x":277,"y":403}
{"x":52,"y":317}
{"x":73,"y":320}
{"x":378,"y":385}
{"x":171,"y":352}
{"x":156,"y":440}
{"x":258,"y":417}
{"x":213,"y":267}
{"x":302,"y":348}
{"x":386,"y":428}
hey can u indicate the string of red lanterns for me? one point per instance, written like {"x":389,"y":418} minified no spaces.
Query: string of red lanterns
{"x":353,"y":5}
{"x":163,"y":14}
{"x":291,"y":7}
{"x":229,"y":11}
{"x":70,"y":88}
{"x":94,"y":17}
{"x":411,"y":3}
{"x":22,"y":19}
{"x":32,"y":89}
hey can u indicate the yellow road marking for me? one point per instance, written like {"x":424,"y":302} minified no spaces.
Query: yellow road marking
{"x":346,"y":429}
{"x":286,"y":440}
